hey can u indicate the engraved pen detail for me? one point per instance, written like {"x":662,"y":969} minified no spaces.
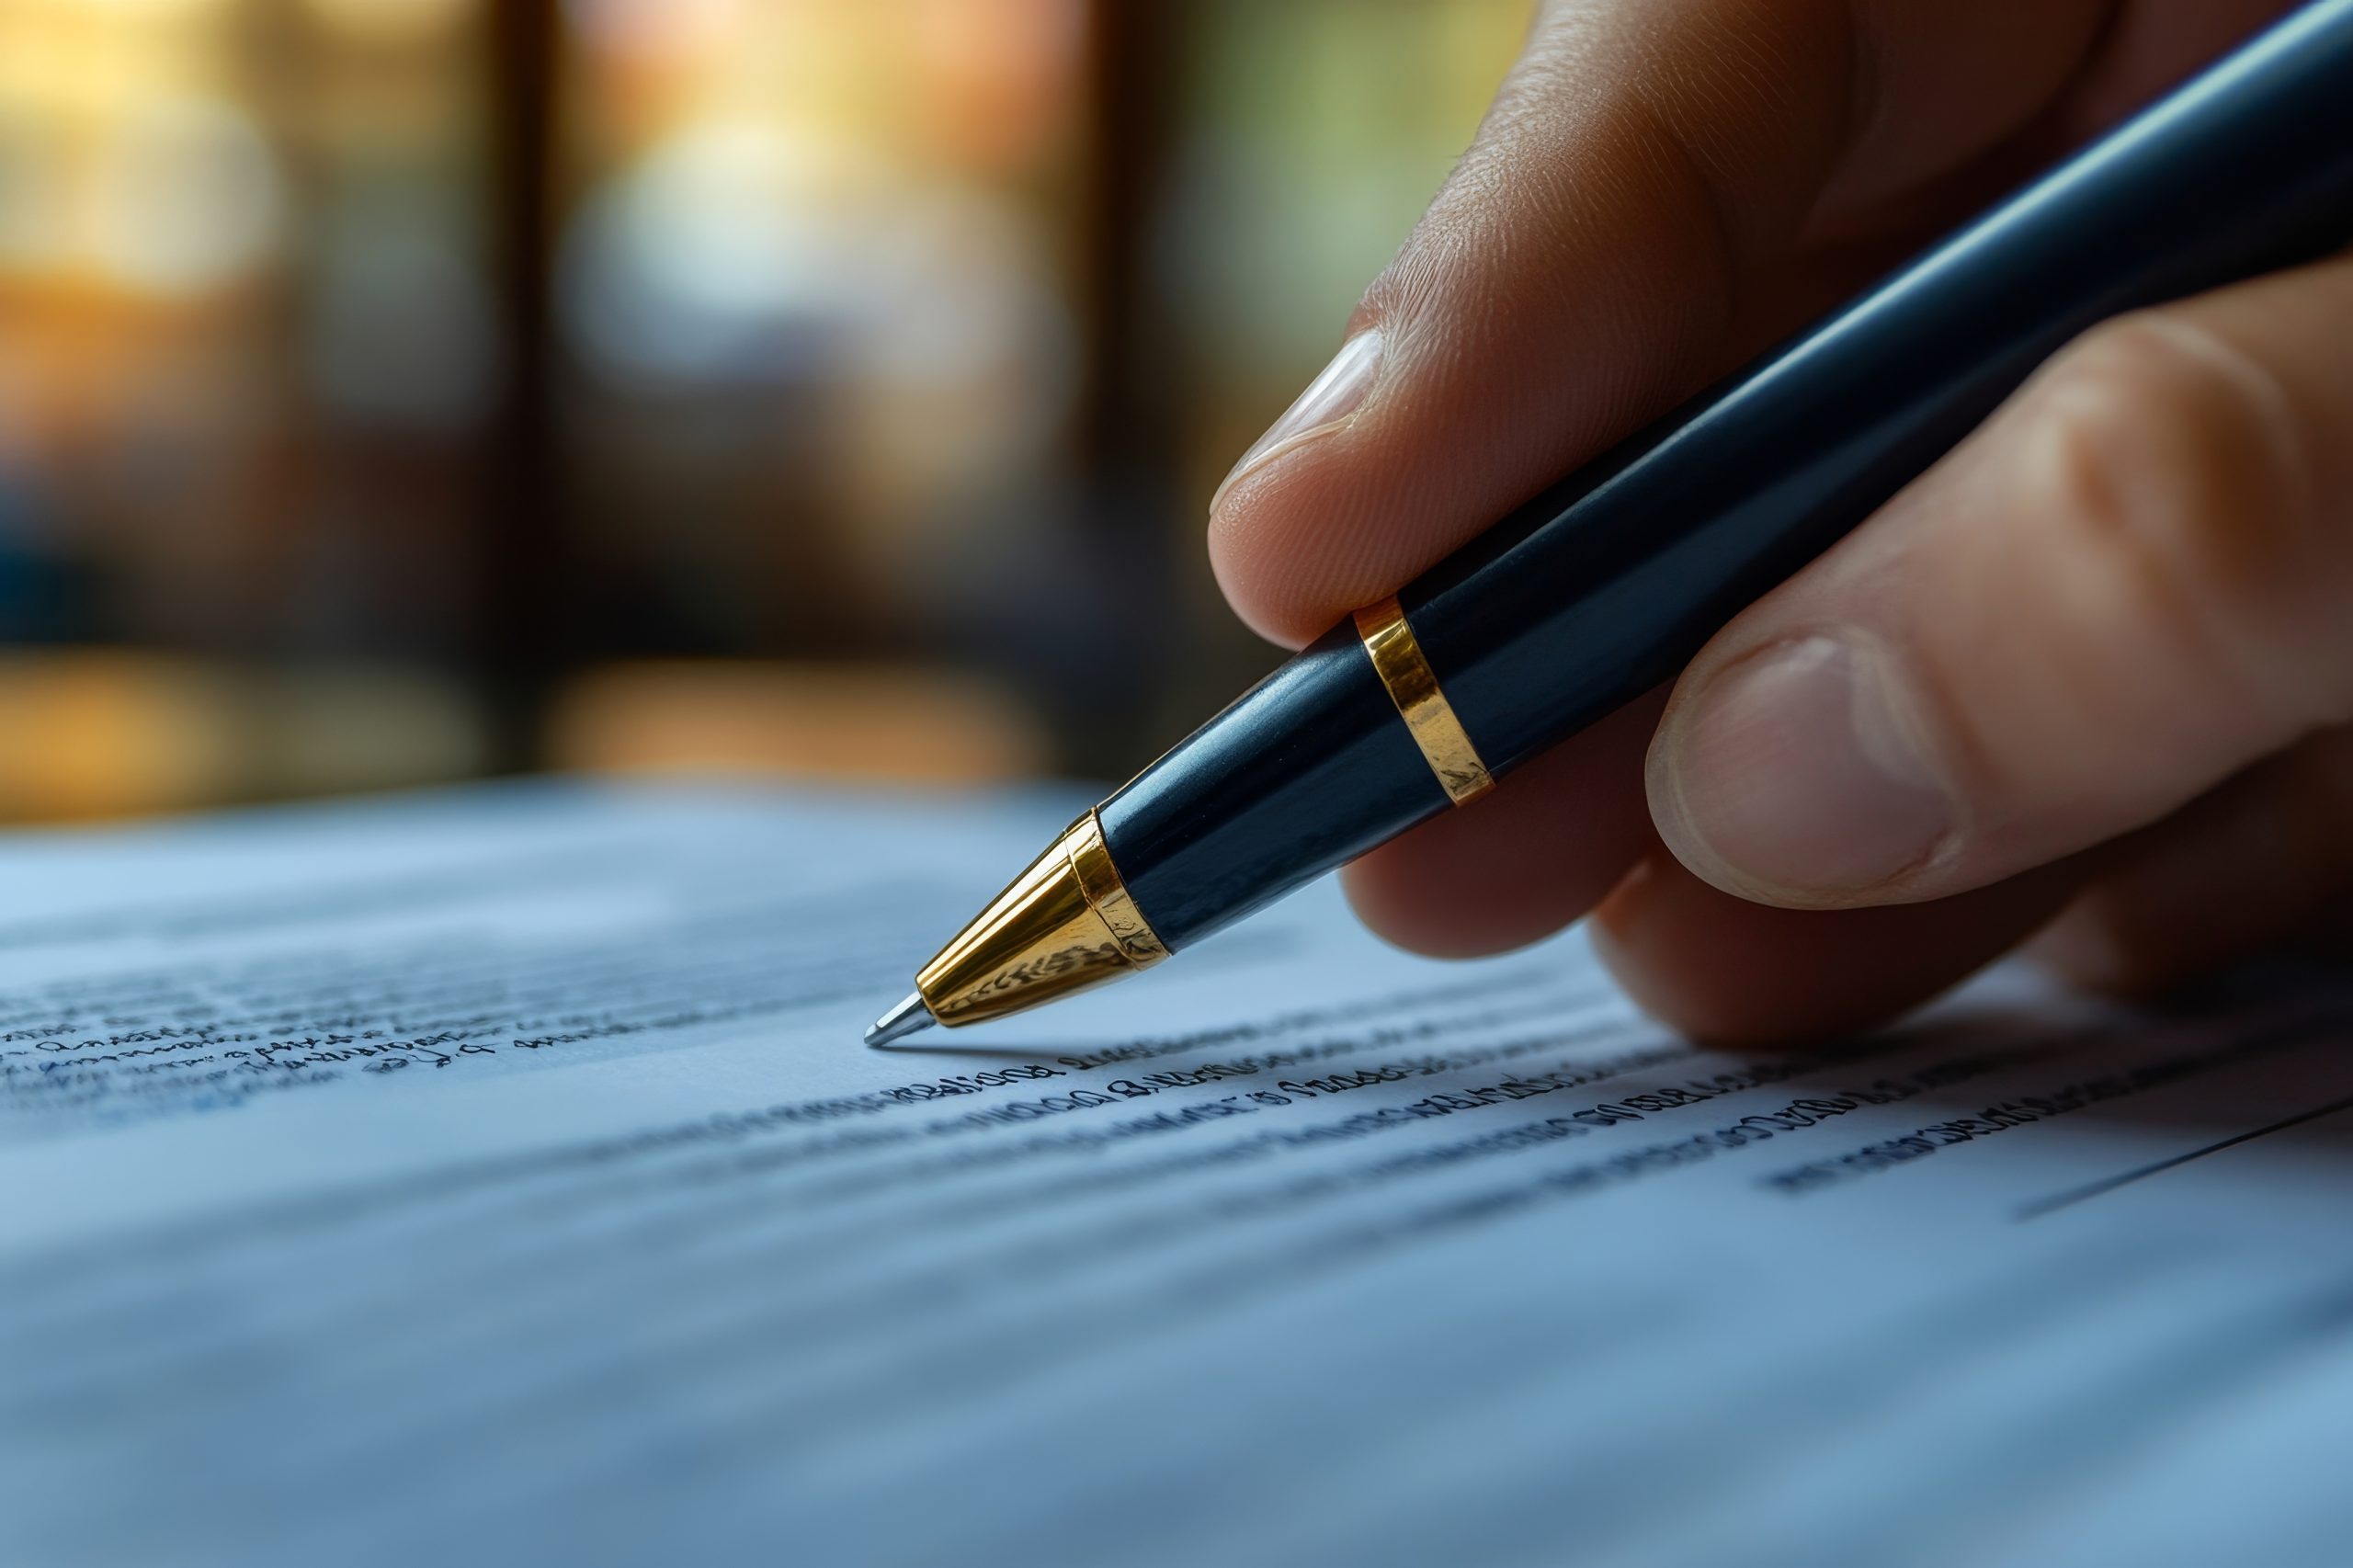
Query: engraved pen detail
{"x":1413,"y":686}
{"x":1064,"y":924}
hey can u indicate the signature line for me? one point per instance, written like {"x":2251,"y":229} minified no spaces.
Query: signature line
{"x":2075,"y":1195}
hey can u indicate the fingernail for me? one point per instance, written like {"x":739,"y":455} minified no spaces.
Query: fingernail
{"x":1802,"y":771}
{"x":1329,"y":401}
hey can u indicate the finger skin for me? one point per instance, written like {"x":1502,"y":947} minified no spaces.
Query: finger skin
{"x":2250,"y":866}
{"x":1658,"y":192}
{"x":1726,"y":971}
{"x":1589,"y":259}
{"x":1663,"y":188}
{"x":2147,"y":47}
{"x":2128,"y":586}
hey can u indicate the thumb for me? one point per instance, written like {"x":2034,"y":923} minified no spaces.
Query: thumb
{"x":2135,"y":581}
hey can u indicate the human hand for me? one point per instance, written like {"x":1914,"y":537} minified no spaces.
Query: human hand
{"x":2096,"y":665}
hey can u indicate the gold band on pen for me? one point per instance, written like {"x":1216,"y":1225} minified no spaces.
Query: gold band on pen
{"x":1100,"y":884}
{"x":1429,"y":718}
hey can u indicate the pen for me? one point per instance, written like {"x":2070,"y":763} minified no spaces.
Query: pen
{"x":1605,"y":585}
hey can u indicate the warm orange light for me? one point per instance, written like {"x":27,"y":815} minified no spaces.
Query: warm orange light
{"x":784,"y":721}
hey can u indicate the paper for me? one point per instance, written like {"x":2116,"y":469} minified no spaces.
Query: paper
{"x":498,"y":1177}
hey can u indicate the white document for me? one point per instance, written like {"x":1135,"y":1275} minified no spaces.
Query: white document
{"x":499,"y":1177}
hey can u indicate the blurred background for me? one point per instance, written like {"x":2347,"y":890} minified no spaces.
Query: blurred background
{"x":396,"y":392}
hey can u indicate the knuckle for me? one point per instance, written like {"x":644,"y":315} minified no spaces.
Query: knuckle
{"x":2165,"y":456}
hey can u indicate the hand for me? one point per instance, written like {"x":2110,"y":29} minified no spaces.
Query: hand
{"x":2090,"y":675}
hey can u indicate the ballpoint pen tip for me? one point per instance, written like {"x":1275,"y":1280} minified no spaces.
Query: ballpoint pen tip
{"x":901,"y":1021}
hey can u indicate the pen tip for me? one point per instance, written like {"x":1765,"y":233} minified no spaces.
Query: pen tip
{"x":901,"y":1021}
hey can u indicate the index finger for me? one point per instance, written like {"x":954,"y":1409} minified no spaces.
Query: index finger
{"x":1599,"y":250}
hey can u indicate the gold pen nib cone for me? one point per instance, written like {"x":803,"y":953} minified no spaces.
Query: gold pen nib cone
{"x":1065,"y":924}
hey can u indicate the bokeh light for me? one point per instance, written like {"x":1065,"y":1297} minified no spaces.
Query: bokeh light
{"x":183,"y":198}
{"x":616,"y":378}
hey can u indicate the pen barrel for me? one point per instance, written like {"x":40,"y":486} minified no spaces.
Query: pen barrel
{"x":1307,"y":770}
{"x":1607,"y":583}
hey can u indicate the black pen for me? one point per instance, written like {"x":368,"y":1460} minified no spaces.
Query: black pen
{"x":1607,"y":583}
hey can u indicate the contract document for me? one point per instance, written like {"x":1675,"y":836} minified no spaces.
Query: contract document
{"x":498,"y":1177}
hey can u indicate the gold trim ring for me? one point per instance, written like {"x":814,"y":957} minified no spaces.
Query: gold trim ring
{"x":1429,"y":718}
{"x":1100,"y":884}
{"x":1064,"y":924}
